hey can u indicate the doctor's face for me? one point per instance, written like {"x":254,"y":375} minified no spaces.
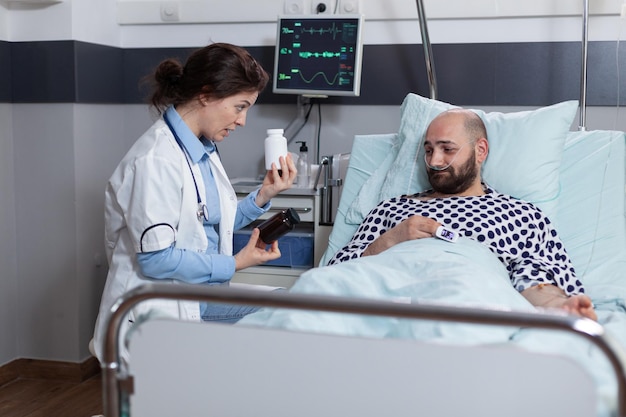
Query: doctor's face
{"x":222,"y":116}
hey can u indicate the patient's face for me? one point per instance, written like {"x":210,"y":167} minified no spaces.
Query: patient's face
{"x":450,"y":156}
{"x":456,"y":178}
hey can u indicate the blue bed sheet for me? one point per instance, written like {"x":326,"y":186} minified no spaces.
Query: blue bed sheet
{"x":456,"y":274}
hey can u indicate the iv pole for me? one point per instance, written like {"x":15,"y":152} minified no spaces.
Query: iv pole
{"x":583,"y":75}
{"x":428,"y":52}
{"x":430,"y":66}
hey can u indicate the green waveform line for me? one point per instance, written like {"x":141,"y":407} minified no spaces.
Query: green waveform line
{"x":320,"y":73}
{"x":325,"y":54}
{"x":333,"y":29}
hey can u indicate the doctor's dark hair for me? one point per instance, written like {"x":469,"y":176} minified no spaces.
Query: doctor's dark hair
{"x":218,"y":71}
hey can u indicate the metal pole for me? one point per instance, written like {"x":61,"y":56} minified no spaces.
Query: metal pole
{"x":428,"y":52}
{"x":583,"y":75}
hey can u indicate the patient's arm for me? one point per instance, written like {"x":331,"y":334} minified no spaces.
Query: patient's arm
{"x":552,"y":296}
{"x":414,"y":227}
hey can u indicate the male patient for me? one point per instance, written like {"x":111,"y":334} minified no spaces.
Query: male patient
{"x":518,"y":233}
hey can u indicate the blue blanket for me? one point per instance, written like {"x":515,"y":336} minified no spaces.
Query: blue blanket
{"x":427,"y":270}
{"x":430,"y":271}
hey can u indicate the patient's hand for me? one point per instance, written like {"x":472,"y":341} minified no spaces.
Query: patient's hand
{"x":414,"y":227}
{"x":551,"y":296}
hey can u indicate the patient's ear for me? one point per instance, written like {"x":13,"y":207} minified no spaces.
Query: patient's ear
{"x":482,"y":149}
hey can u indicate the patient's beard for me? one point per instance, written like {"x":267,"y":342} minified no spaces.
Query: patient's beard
{"x":450,"y":182}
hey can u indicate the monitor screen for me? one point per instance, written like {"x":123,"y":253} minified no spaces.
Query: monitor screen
{"x":318,"y":55}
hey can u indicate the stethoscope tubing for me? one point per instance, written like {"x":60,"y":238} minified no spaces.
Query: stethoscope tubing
{"x":203,"y":211}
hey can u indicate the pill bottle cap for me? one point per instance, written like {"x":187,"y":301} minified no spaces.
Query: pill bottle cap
{"x":292,"y":216}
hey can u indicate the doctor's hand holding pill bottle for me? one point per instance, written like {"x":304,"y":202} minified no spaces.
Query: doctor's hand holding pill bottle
{"x":281,"y":170}
{"x":170,"y":210}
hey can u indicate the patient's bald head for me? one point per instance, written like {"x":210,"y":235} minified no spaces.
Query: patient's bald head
{"x":472,"y":124}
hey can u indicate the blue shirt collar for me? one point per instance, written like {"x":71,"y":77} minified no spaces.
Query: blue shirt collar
{"x":209,"y":145}
{"x":196,"y":149}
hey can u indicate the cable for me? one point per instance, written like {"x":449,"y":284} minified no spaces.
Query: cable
{"x":436,"y":168}
{"x":306,"y":120}
{"x":599,"y":209}
{"x":319,"y":130}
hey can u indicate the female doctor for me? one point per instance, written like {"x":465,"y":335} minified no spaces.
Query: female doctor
{"x":170,"y":210}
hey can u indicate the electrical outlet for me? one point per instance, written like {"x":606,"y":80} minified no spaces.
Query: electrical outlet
{"x":349,"y":6}
{"x":296,"y":7}
{"x":169,"y":11}
{"x":323,"y":6}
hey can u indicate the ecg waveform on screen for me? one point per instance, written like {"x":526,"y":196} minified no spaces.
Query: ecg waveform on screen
{"x":324,"y":54}
{"x":317,"y":55}
{"x":341,"y":78}
{"x":333,"y":30}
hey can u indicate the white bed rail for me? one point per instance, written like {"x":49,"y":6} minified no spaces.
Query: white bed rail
{"x":115,"y":392}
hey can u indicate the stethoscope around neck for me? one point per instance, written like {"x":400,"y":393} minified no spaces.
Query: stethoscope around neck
{"x":203,"y":211}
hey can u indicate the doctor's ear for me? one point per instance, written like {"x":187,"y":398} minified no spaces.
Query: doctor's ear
{"x":203,"y":99}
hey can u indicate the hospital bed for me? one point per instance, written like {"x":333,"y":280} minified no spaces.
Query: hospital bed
{"x":438,"y":333}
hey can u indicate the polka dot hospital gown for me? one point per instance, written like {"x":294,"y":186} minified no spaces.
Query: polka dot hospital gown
{"x":518,"y":233}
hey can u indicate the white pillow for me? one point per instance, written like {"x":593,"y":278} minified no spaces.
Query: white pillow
{"x":524,"y":155}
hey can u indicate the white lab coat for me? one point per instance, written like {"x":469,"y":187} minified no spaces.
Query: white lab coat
{"x":151,"y":203}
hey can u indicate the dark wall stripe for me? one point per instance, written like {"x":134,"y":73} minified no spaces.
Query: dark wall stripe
{"x":5,"y":72}
{"x":99,"y":73}
{"x":138,"y":63}
{"x":43,"y":72}
{"x":490,"y":74}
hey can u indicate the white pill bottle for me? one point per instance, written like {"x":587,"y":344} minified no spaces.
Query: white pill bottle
{"x":275,"y":147}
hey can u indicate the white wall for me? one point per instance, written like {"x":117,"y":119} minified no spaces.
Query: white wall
{"x":387,"y":22}
{"x":32,"y":21}
{"x":46,"y":231}
{"x":4,"y":32}
{"x":97,"y":150}
{"x":88,"y":21}
{"x":63,"y":160}
{"x":136,"y":12}
{"x":95,"y":22}
{"x":8,"y":249}
{"x":242,"y":152}
{"x":55,"y":158}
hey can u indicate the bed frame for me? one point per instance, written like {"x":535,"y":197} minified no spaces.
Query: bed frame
{"x":206,"y":369}
{"x":181,"y":368}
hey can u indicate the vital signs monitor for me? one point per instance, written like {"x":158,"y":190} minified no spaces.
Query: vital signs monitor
{"x":318,"y":55}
